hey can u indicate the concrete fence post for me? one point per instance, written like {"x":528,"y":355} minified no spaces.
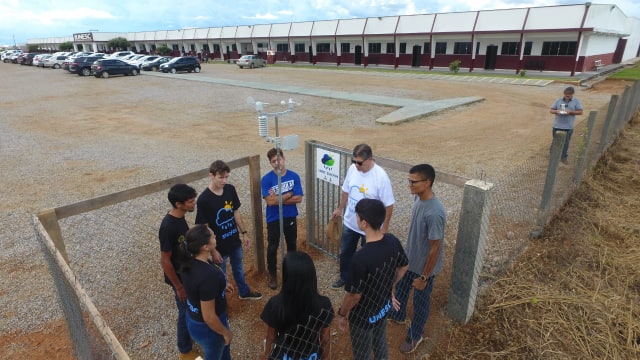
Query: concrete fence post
{"x":552,"y":172}
{"x":604,"y":135}
{"x":582,"y":156}
{"x":470,"y":244}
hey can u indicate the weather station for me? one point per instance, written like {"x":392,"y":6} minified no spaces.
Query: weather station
{"x":288,"y":142}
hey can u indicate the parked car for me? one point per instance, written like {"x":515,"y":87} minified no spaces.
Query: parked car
{"x":82,"y":65}
{"x":107,"y":67}
{"x":251,"y":61}
{"x":55,"y":62}
{"x":120,"y":54}
{"x":9,"y":55}
{"x":39,"y":59}
{"x":154,"y":65}
{"x":185,"y":63}
{"x":27,"y":59}
{"x":138,"y":62}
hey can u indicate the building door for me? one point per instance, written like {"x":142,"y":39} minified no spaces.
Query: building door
{"x":490,"y":59}
{"x":358,"y":55}
{"x":617,"y":55}
{"x":415,"y":60}
{"x":310,"y":54}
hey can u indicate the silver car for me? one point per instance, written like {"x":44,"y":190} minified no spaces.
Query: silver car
{"x":251,"y":61}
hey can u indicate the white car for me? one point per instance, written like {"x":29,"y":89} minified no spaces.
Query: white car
{"x":55,"y":62}
{"x":39,"y":59}
{"x":120,"y":54}
{"x":9,"y":55}
{"x":138,"y":62}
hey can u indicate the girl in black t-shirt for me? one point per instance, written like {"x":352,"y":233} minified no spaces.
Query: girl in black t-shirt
{"x":298,"y":318}
{"x":206,"y":287}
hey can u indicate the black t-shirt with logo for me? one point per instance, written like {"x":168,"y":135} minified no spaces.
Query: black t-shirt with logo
{"x":218,"y":213}
{"x":204,"y":282}
{"x":371,"y":274}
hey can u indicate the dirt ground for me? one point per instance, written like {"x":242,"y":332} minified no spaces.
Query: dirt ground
{"x":510,"y":123}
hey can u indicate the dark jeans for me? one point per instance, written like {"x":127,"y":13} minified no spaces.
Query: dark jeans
{"x":565,"y":148}
{"x":290,"y":231}
{"x":421,"y":303}
{"x":348,"y":246}
{"x":368,"y":339}
{"x":184,"y":340}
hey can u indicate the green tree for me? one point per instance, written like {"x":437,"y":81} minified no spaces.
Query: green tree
{"x":66,"y":46}
{"x":33,"y":48}
{"x":119,"y":43}
{"x":163,"y":50}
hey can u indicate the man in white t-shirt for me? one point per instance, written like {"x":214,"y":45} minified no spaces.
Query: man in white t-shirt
{"x":364,"y":179}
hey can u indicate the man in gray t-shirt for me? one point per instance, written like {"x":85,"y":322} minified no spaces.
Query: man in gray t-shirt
{"x":565,"y":110}
{"x":425,"y":249}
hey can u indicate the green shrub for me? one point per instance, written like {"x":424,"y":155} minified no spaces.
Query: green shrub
{"x":454,"y":66}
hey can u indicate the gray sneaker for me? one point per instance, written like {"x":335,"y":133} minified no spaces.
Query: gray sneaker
{"x":409,"y":346}
{"x":338,"y":284}
{"x":251,"y":295}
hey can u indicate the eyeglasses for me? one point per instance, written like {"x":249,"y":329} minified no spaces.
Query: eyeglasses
{"x":412,"y":182}
{"x":359,"y":163}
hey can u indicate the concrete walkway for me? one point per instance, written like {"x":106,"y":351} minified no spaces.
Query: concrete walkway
{"x":408,"y":109}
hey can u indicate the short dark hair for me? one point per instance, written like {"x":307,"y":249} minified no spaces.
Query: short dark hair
{"x":570,"y":89}
{"x":372,"y":211}
{"x":219,"y":167}
{"x":363,"y":151}
{"x":426,"y":171}
{"x":273,"y":152}
{"x":180,"y":193}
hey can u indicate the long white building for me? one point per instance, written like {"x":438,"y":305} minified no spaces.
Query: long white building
{"x":573,"y":38}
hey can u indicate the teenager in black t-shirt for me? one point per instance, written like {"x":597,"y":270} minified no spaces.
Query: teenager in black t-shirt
{"x":375,"y":270}
{"x":298,"y":318}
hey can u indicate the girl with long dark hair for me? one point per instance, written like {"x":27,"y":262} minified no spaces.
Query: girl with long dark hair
{"x":298,"y":318}
{"x":206,"y":285}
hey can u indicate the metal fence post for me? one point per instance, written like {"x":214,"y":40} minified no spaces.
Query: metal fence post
{"x":470,"y":244}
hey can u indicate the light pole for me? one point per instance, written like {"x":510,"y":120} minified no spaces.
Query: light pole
{"x":287,"y":143}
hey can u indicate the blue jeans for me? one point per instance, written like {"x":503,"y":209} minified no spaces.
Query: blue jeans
{"x":365,"y":340}
{"x":421,"y":303}
{"x":348,"y":246}
{"x":565,"y":148}
{"x":184,"y":339}
{"x":211,"y":342}
{"x":237,"y":269}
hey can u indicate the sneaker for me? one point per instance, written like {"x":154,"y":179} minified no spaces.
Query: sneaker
{"x":409,"y":346}
{"x":397,"y":321}
{"x":338,"y":284}
{"x":191,"y":355}
{"x":564,"y":161}
{"x":273,"y":281}
{"x":251,"y":295}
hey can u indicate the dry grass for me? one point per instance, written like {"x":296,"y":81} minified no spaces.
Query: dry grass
{"x":575,"y":294}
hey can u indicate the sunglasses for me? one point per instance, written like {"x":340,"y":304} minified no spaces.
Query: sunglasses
{"x":359,"y":163}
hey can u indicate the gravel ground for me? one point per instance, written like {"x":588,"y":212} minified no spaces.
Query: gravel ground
{"x":65,"y":138}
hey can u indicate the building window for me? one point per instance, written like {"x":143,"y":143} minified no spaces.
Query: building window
{"x":323,"y":48}
{"x":375,"y":48}
{"x":299,"y":47}
{"x":282,"y":47}
{"x":559,"y":48}
{"x":216,"y":47}
{"x":403,"y":48}
{"x":390,"y":48}
{"x":527,"y":47}
{"x":509,"y":48}
{"x":259,"y":45}
{"x":427,"y":48}
{"x":345,"y":48}
{"x":175,"y":47}
{"x":234,"y":47}
{"x":441,"y":48}
{"x":462,"y":48}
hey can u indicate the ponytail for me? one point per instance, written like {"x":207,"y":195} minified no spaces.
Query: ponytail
{"x":190,"y":245}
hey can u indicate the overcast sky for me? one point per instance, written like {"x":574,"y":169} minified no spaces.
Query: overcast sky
{"x":28,"y":19}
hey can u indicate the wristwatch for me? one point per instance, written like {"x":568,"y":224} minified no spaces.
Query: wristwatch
{"x":423,"y":278}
